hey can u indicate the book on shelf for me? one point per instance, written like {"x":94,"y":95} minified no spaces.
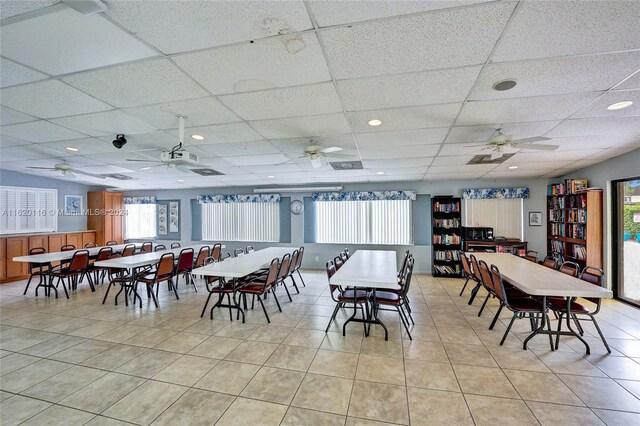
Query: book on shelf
{"x":557,"y":246}
{"x":579,"y":251}
{"x":575,"y":185}
{"x":577,"y":216}
{"x":557,"y":229}
{"x":447,"y":223}
{"x":577,"y":231}
{"x":447,"y":269}
{"x":446,"y":255}
{"x":446,"y":239}
{"x":451,"y":207}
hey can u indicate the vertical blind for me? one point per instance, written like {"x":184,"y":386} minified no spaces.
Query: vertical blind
{"x":28,"y":210}
{"x":140,"y":221}
{"x":241,"y":222}
{"x":364,"y":222}
{"x":503,"y":215}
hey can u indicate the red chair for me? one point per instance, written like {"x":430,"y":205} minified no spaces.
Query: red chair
{"x":292,"y":269}
{"x":299,"y":264}
{"x":41,"y":270}
{"x":90,"y":245}
{"x":475,"y":270}
{"x":397,"y":301}
{"x":160,"y":247}
{"x":118,"y":276}
{"x":338,"y":262}
{"x":163,"y":272}
{"x":129,"y":250}
{"x":550,"y":262}
{"x":283,"y":272}
{"x":78,"y":269}
{"x":467,"y":272}
{"x":343,"y":297}
{"x":216,"y":251}
{"x":67,"y":247}
{"x":111,"y":243}
{"x":99,"y":272}
{"x":569,"y":268}
{"x":260,"y":289}
{"x":147,"y":247}
{"x":184,"y":266}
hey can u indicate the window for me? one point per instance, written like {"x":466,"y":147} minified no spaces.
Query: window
{"x":140,"y":221}
{"x":364,"y":222}
{"x":504,"y":215}
{"x":28,"y":210}
{"x":239,"y":221}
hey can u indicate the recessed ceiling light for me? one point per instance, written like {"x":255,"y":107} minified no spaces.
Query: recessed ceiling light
{"x":379,"y":173}
{"x":375,"y":122}
{"x":270,"y":177}
{"x":180,"y":180}
{"x":620,"y":105}
{"x":513,"y":167}
{"x":72,"y":149}
{"x":197,"y":137}
{"x":504,"y":85}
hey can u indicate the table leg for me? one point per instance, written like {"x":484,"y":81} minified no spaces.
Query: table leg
{"x":542,"y":323}
{"x":571,"y":330}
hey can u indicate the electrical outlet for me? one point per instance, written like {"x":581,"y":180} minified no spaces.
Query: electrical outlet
{"x":317,"y":259}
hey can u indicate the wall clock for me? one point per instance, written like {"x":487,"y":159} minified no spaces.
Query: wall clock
{"x":297,"y":207}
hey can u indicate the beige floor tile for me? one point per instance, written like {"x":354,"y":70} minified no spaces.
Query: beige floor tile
{"x":53,"y":346}
{"x":296,"y":358}
{"x":542,"y":387}
{"x":488,"y":410}
{"x":150,"y":338}
{"x":182,"y":342}
{"x":517,"y":359}
{"x":19,"y":380}
{"x":299,"y":416}
{"x":216,"y":347}
{"x":354,"y":421}
{"x":146,"y":403}
{"x":82,"y":351}
{"x":628,"y":347}
{"x":338,"y":342}
{"x":61,"y":385}
{"x":270,"y":334}
{"x":106,"y":421}
{"x":228,"y":377}
{"x":469,"y":355}
{"x":484,"y":381}
{"x":313,"y":322}
{"x":332,"y":363}
{"x":306,"y":338}
{"x":15,"y":361}
{"x":631,"y":385}
{"x":149,"y":363}
{"x":59,"y":415}
{"x":381,"y":370}
{"x":425,"y":351}
{"x":114,"y":357}
{"x":207,"y":326}
{"x":94,"y":329}
{"x":617,"y":367}
{"x":17,"y":409}
{"x":323,"y":393}
{"x":273,"y":385}
{"x":250,"y":412}
{"x":618,"y":418}
{"x":461,"y":335}
{"x":196,"y":407}
{"x":5,"y":395}
{"x":423,"y":332}
{"x":379,"y":347}
{"x":569,"y":363}
{"x":553,"y":414}
{"x":381,"y":402}
{"x":430,"y":375}
{"x":238,"y":330}
{"x":122,"y":333}
{"x":598,"y":392}
{"x":433,"y":407}
{"x":252,"y":352}
{"x":102,"y":393}
{"x":186,"y":371}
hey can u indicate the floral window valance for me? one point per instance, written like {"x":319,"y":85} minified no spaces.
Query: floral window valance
{"x":486,"y":193}
{"x":140,"y":200}
{"x":248,"y":198}
{"x":364,"y":196}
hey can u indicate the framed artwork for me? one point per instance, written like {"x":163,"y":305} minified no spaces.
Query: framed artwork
{"x":174,"y":219}
{"x":162,"y":219}
{"x":535,"y":219}
{"x":73,"y":204}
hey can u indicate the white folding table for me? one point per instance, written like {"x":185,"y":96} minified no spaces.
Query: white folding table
{"x":371,"y":269}
{"x":537,"y":280}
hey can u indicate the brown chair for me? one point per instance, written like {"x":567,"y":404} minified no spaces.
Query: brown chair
{"x":217,"y":285}
{"x":129,"y":250}
{"x":160,"y":247}
{"x":99,"y":272}
{"x":175,"y":245}
{"x":475,"y":270}
{"x":238,"y":252}
{"x":78,"y":269}
{"x":283,"y":272}
{"x":292,"y":269}
{"x":338,"y":262}
{"x":184,"y":266}
{"x":163,"y":272}
{"x":346,"y":253}
{"x":400,"y":290}
{"x":216,"y":251}
{"x":203,"y":253}
{"x":67,"y":247}
{"x":344,"y":297}
{"x":467,"y":272}
{"x":118,"y":276}
{"x":487,"y":283}
{"x":225,"y":255}
{"x":41,"y":270}
{"x":111,"y":243}
{"x":593,"y":276}
{"x":299,"y":264}
{"x":344,"y":256}
{"x":249,"y":249}
{"x":532,"y":256}
{"x":90,"y":245}
{"x":550,"y":262}
{"x":569,"y":268}
{"x":260,"y":289}
{"x":147,"y":247}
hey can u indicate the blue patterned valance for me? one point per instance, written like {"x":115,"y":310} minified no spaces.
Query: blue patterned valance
{"x":364,"y":196}
{"x":140,"y":200}
{"x":249,"y":198}
{"x":485,"y":193}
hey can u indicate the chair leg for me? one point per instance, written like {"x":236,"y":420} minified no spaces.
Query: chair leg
{"x":606,"y":345}
{"x":577,"y":323}
{"x":104,"y":299}
{"x":205,"y":305}
{"x":405,"y":321}
{"x":300,"y":275}
{"x":333,"y":316}
{"x":295,"y":285}
{"x":474,"y":292}
{"x":175,"y":290}
{"x":486,"y":299}
{"x":153,"y":296}
{"x":287,"y":290}
{"x":273,"y":290}
{"x":506,"y":333}
{"x":464,"y":286}
{"x":27,"y":287}
{"x":495,"y":318}
{"x":88,"y":275}
{"x":264,"y":309}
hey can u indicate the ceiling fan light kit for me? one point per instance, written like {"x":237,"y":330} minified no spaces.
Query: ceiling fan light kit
{"x":499,"y":142}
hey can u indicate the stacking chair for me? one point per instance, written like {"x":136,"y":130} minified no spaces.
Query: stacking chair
{"x":338,"y":262}
{"x":216,"y":285}
{"x":550,"y":262}
{"x":283,"y":273}
{"x":41,"y":270}
{"x":90,"y":245}
{"x":175,"y":245}
{"x":111,"y":243}
{"x":205,"y":252}
{"x":532,"y":256}
{"x":147,"y":247}
{"x":160,"y":247}
{"x":99,"y":272}
{"x":292,"y":269}
{"x":467,"y":272}
{"x":238,"y":252}
{"x":67,"y":247}
{"x":184,"y":266}
{"x":395,"y":300}
{"x":118,"y":276}
{"x":216,"y":251}
{"x":569,"y":268}
{"x":129,"y":250}
{"x":225,"y":255}
{"x":476,"y":277}
{"x":299,"y":264}
{"x":346,"y":253}
{"x":262,"y":288}
{"x":249,"y":249}
{"x":77,"y":269}
{"x":344,"y":256}
{"x":163,"y":272}
{"x":487,"y":283}
{"x":344,"y":297}
{"x":401,"y":290}
{"x":593,"y":276}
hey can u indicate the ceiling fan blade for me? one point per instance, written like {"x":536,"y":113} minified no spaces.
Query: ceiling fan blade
{"x":475,"y":146}
{"x":496,"y":154}
{"x":339,"y":156}
{"x":80,"y":172}
{"x":183,"y":169}
{"x":531,"y":140}
{"x":539,"y":147}
{"x":143,"y":161}
{"x":331,"y":149}
{"x":41,"y":168}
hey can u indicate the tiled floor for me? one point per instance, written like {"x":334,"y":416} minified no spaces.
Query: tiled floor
{"x":79,"y":362}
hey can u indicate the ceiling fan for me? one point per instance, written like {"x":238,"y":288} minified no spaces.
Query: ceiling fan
{"x":315,"y":152}
{"x":499,"y":141}
{"x":67,"y":169}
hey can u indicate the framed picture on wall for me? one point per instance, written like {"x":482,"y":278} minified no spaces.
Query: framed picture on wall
{"x":535,"y":219}
{"x":73,"y":204}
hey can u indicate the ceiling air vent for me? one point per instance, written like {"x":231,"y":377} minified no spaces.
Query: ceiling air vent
{"x":486,"y":159}
{"x":118,"y":176}
{"x":346,"y":165}
{"x":207,"y":172}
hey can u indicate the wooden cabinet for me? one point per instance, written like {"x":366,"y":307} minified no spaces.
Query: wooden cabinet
{"x":514,"y":247}
{"x":88,"y":237}
{"x":107,"y":216}
{"x":75,"y":240}
{"x":36,"y":241}
{"x":56,"y":241}
{"x":3,"y":257}
{"x":16,"y":246}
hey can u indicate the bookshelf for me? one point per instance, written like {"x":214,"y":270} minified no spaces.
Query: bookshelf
{"x":574,"y":222}
{"x":447,"y":236}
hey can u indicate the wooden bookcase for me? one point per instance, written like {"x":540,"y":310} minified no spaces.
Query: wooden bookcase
{"x":447,"y":236}
{"x":574,"y":223}
{"x":108,"y":222}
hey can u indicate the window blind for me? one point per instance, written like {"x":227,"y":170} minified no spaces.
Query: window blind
{"x":28,"y":210}
{"x":140,"y":221}
{"x":505,"y":216}
{"x":241,"y":221}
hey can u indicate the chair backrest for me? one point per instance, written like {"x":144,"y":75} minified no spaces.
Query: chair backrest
{"x":202,"y":255}
{"x":160,"y":247}
{"x":485,"y":274}
{"x":104,"y":253}
{"x":111,"y":243}
{"x":338,"y":262}
{"x":36,"y":250}
{"x":164,"y":267}
{"x":115,"y":271}
{"x":67,"y":247}
{"x":128,"y":250}
{"x":475,"y":268}
{"x":216,"y":251}
{"x":225,"y":255}
{"x":300,"y":254}
{"x":346,"y":252}
{"x":331,"y":270}
{"x":595,"y":276}
{"x":550,"y":262}
{"x":147,"y":247}
{"x":175,"y":245}
{"x":238,"y":252}
{"x":294,"y":262}
{"x":185,"y":260}
{"x":404,"y":264}
{"x":498,"y":285}
{"x":465,"y":264}
{"x":272,"y":275}
{"x":408,"y":273}
{"x":208,"y":260}
{"x":79,"y":261}
{"x":344,"y":256}
{"x":249,"y":249}
{"x":284,"y":267}
{"x":90,"y":245}
{"x":532,"y":255}
{"x":569,"y":268}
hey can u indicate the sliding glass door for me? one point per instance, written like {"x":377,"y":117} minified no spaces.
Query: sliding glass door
{"x":627,"y":239}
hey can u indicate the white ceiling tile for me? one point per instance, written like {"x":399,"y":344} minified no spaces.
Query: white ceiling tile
{"x":468,"y":148}
{"x":540,"y":158}
{"x":50,"y":98}
{"x":398,"y":162}
{"x":443,"y":39}
{"x":65,"y":41}
{"x":453,"y":175}
{"x":599,"y":107}
{"x":553,"y":76}
{"x":289,"y":171}
{"x":633,"y":82}
{"x":12,"y":73}
{"x":141,"y":83}
{"x":222,"y":133}
{"x":399,"y":151}
{"x":10,"y":116}
{"x":592,"y":142}
{"x":16,"y":7}
{"x":424,"y":88}
{"x":257,"y":160}
{"x":509,"y":174}
{"x":199,"y":112}
{"x":610,"y":153}
{"x":389,"y":171}
{"x":299,"y":127}
{"x":431,"y":116}
{"x":598,"y":126}
{"x":105,"y":123}
{"x":29,"y":152}
{"x":177,"y":26}
{"x":562,"y":28}
{"x":119,"y":157}
{"x":329,"y":13}
{"x":464,"y":168}
{"x":265,"y":64}
{"x":465,"y":134}
{"x":237,"y":149}
{"x":85,"y":146}
{"x":288,"y":102}
{"x":451,"y":160}
{"x":401,"y":137}
{"x":297,"y":145}
{"x":524,"y":163}
{"x":7,"y":141}
{"x":522,"y":110}
{"x":39,"y":131}
{"x":397,"y":178}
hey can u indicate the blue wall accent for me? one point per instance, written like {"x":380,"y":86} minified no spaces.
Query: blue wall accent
{"x":421,"y":211}
{"x":309,"y":220}
{"x":196,"y":220}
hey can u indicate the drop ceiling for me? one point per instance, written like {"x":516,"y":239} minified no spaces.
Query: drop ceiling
{"x":259,"y":80}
